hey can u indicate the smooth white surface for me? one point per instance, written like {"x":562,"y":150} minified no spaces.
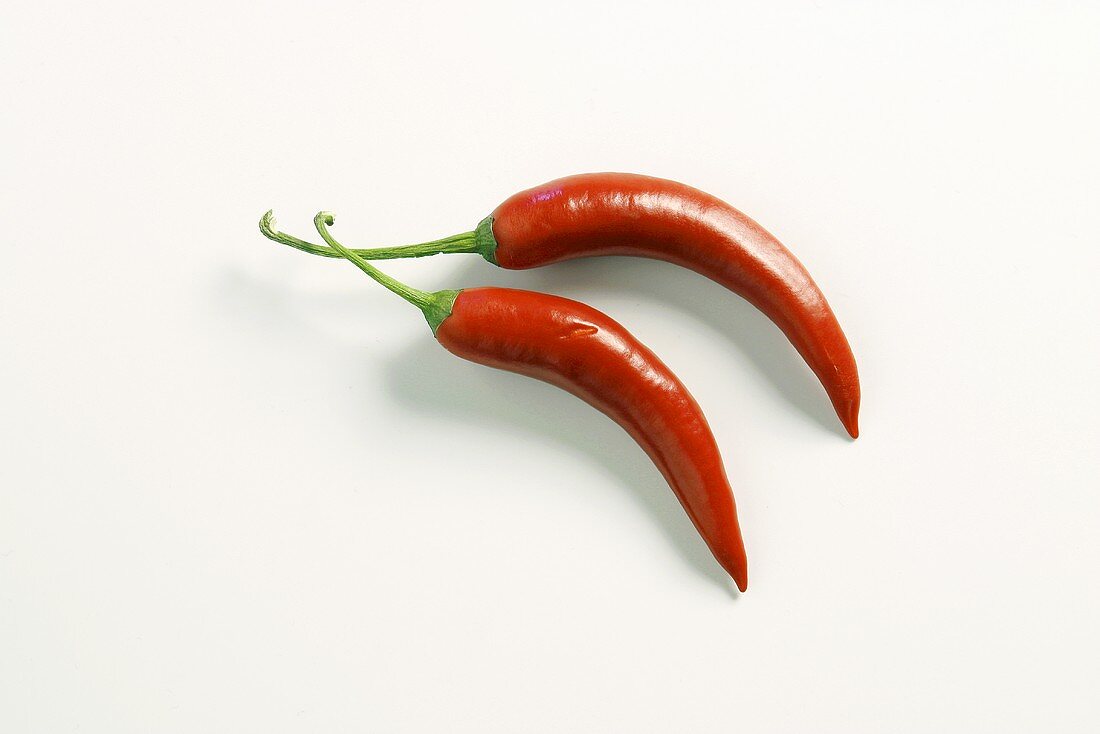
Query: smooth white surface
{"x":244,"y":490}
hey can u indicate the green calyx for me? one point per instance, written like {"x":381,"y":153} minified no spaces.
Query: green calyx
{"x":436,"y":306}
{"x":484,"y":241}
{"x":480,"y":241}
{"x":439,"y":308}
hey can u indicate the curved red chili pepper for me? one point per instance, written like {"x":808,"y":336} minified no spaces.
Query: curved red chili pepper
{"x":585,"y":352}
{"x":596,"y":214}
{"x":627,"y":214}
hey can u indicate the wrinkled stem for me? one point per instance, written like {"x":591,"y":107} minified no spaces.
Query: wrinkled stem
{"x":479,"y":241}
{"x":458,"y":243}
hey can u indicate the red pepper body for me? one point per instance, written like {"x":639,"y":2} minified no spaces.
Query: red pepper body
{"x":627,"y":214}
{"x":585,"y":352}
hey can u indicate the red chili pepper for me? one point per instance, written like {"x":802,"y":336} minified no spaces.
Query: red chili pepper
{"x":587,"y":353}
{"x":627,"y":214}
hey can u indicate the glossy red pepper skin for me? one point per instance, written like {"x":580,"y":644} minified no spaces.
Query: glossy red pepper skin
{"x":585,"y":352}
{"x":628,"y":214}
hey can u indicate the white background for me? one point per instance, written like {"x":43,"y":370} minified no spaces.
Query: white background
{"x":243,"y":490}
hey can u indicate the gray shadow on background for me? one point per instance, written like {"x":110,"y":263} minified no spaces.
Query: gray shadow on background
{"x":426,"y":378}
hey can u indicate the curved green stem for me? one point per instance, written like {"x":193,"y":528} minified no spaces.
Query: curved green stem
{"x":479,"y":241}
{"x":267,"y":228}
{"x":435,"y":306}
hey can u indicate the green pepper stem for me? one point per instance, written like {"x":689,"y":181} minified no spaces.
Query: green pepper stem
{"x":435,"y":306}
{"x":479,"y":241}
